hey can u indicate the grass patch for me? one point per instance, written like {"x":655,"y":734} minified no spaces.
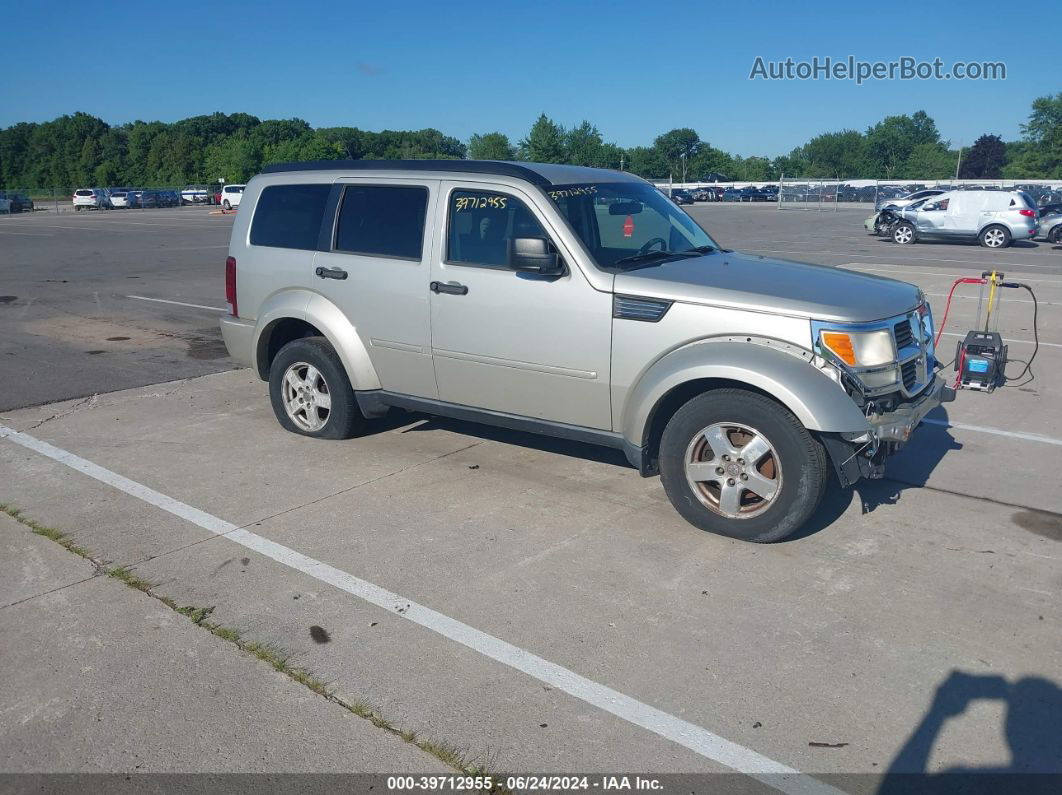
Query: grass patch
{"x":59,"y":537}
{"x":126,"y":575}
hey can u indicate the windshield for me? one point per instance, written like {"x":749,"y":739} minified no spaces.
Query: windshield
{"x":628,"y":223}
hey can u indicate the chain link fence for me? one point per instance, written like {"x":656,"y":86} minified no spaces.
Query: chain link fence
{"x":14,"y":201}
{"x":825,"y":194}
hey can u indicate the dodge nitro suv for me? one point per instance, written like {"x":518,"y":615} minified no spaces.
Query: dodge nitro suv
{"x":579,"y":303}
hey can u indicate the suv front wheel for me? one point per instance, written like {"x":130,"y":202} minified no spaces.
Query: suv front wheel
{"x":739,"y":464}
{"x":310,"y":391}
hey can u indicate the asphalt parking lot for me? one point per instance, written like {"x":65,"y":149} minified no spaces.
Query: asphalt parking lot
{"x":522,"y":604}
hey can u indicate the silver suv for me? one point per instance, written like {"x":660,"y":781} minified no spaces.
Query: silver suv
{"x":579,"y":303}
{"x":993,"y":218}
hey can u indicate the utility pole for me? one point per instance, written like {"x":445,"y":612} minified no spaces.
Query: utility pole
{"x":957,"y":162}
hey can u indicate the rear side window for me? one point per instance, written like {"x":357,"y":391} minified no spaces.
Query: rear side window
{"x":382,"y":221}
{"x":289,"y":216}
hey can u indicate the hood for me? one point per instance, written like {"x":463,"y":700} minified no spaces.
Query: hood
{"x":762,"y":284}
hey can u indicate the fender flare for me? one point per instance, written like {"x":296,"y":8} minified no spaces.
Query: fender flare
{"x":782,"y":370}
{"x":325,"y":316}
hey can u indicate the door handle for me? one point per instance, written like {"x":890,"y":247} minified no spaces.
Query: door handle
{"x":331,"y":273}
{"x":452,"y":289}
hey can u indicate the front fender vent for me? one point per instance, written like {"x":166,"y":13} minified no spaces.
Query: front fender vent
{"x":626,"y":307}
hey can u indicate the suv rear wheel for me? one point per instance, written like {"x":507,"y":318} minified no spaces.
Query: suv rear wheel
{"x":739,"y":464}
{"x":310,"y":391}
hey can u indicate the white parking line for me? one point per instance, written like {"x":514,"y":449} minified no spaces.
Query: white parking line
{"x":178,"y":303}
{"x":1029,"y":437}
{"x":689,"y":735}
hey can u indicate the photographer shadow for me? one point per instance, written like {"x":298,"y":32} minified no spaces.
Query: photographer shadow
{"x":1031,"y":729}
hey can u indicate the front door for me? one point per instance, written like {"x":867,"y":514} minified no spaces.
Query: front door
{"x":515,"y":342}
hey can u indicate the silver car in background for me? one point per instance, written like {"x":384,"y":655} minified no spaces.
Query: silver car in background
{"x":993,"y":218}
{"x":908,"y":200}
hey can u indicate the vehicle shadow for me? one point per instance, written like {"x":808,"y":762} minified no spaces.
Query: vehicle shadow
{"x":1031,"y":730}
{"x":908,"y":469}
{"x":534,"y":441}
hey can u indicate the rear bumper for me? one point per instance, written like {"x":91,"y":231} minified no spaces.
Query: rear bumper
{"x":239,"y":339}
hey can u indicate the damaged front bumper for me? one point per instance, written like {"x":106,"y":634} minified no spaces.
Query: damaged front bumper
{"x":862,"y":455}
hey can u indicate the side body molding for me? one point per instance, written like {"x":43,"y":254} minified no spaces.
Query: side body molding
{"x":321,"y":313}
{"x":781,"y":370}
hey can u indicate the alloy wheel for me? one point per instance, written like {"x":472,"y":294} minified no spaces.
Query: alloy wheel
{"x":733,"y":470}
{"x":307,"y":398}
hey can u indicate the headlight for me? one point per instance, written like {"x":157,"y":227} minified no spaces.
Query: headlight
{"x":860,"y":348}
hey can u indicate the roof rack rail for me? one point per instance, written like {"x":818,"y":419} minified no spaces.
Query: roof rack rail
{"x":461,"y":166}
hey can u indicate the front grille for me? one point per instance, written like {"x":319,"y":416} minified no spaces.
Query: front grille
{"x":909,"y":373}
{"x":904,"y":335}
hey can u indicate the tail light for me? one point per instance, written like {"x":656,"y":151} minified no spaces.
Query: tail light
{"x":230,"y":286}
{"x":1027,"y":213}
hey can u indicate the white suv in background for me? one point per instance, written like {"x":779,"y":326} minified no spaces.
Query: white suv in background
{"x":231,"y":195}
{"x":91,"y":198}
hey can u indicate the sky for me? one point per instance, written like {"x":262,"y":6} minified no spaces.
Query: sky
{"x":633,"y":69}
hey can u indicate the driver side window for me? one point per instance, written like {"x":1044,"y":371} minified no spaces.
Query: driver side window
{"x":481,"y":224}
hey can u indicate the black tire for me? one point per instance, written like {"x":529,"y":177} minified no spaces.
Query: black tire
{"x":802,"y":459}
{"x":904,"y":234}
{"x":1056,"y":234}
{"x":983,"y":238}
{"x":226,"y":206}
{"x":343,"y":419}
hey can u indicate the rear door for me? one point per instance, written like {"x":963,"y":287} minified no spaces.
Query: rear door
{"x":374,"y":267}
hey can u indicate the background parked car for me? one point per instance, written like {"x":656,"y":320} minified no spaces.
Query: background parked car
{"x":194,"y":195}
{"x":991,"y":217}
{"x":681,"y":196}
{"x":119,"y":198}
{"x":19,"y":202}
{"x":91,"y":199}
{"x":731,"y":195}
{"x":905,"y":201}
{"x":231,"y":194}
{"x":5,"y":205}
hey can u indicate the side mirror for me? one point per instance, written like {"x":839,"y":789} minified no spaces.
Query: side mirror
{"x":533,"y":254}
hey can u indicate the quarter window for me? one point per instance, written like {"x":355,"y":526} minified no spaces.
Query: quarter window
{"x":382,"y":221}
{"x":289,"y":216}
{"x":481,"y":225}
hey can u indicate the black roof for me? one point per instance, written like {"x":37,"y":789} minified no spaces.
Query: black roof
{"x":462,"y":166}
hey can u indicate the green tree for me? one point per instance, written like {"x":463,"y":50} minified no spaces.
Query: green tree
{"x":647,"y":162}
{"x":985,"y":159}
{"x":490,"y":146}
{"x":545,"y":142}
{"x":584,"y":145}
{"x":890,"y":142}
{"x":679,"y":147}
{"x":929,"y":161}
{"x":835,"y":154}
{"x":1039,"y":154}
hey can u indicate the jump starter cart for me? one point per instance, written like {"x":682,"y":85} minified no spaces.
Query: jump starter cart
{"x":981,"y":357}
